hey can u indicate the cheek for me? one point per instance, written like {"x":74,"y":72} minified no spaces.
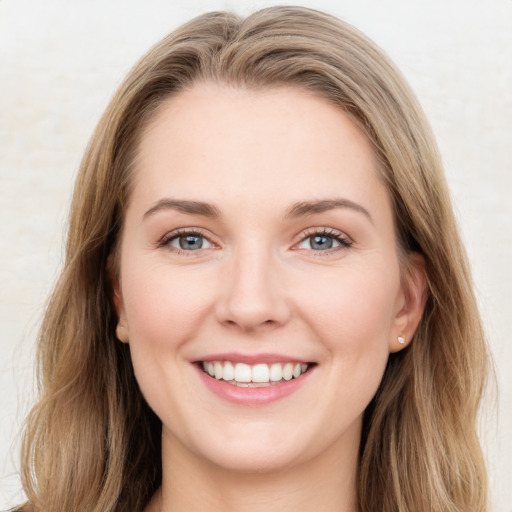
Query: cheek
{"x":161,"y":304}
{"x":352,"y":310}
{"x":352,"y":315}
{"x":164,"y":311}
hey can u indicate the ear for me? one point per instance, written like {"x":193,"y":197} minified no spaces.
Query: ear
{"x":411,"y":303}
{"x":121,"y":328}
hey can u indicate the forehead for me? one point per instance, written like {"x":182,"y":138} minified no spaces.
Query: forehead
{"x":272,"y":146}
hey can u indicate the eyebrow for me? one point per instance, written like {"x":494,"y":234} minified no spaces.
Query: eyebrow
{"x":305,"y":208}
{"x":300,"y":209}
{"x":188,"y":207}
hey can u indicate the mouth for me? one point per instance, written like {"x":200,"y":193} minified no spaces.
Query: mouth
{"x":254,"y":375}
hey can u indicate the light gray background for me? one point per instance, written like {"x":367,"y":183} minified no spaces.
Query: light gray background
{"x":61,"y":61}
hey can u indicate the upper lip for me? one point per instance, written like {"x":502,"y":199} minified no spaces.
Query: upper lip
{"x":251,"y":359}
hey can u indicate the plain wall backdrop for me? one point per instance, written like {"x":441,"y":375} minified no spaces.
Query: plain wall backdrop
{"x":61,"y":61}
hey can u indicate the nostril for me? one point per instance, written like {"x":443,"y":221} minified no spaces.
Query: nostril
{"x":249,"y":326}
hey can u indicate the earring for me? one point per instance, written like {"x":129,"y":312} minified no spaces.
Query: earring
{"x":401,"y":340}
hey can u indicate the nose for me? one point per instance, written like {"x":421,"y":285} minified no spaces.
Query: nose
{"x":253,"y":296}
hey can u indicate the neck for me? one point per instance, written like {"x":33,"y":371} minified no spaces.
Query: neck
{"x":326,"y":482}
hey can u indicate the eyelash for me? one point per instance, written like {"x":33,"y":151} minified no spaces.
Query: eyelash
{"x":337,"y":236}
{"x":165,"y":241}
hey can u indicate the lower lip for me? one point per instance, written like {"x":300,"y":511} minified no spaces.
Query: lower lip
{"x":252,"y":397}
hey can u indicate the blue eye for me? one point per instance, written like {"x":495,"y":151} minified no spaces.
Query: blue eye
{"x":321,"y":242}
{"x":189,"y":242}
{"x":324,"y":241}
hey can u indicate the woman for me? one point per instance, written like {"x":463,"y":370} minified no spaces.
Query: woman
{"x":265,"y":302}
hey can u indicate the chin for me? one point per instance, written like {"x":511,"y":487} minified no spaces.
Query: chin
{"x":257,"y":460}
{"x":244,"y":448}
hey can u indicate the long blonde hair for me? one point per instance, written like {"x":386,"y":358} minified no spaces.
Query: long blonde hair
{"x":91,"y":442}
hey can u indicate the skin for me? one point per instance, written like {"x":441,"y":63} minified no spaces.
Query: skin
{"x":257,"y":286}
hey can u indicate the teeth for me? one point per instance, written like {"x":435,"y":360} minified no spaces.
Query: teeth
{"x":254,"y":375}
{"x":276,"y":372}
{"x":218,"y":370}
{"x":228,"y":372}
{"x":242,"y":372}
{"x":260,"y":373}
{"x":288,"y":371}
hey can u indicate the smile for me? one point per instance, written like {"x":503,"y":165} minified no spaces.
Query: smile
{"x":257,"y":375}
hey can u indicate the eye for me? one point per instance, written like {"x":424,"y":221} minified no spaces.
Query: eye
{"x":324,"y":240}
{"x":187,"y":241}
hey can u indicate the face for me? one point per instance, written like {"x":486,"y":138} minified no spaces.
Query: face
{"x":260,"y":289}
